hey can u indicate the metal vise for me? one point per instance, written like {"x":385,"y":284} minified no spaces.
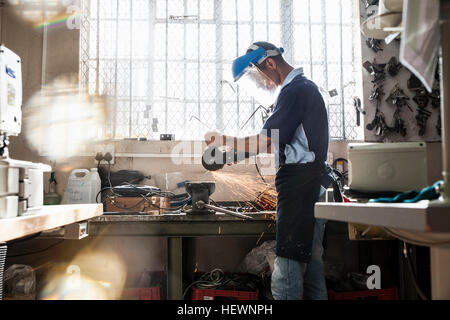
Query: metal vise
{"x":200,"y":192}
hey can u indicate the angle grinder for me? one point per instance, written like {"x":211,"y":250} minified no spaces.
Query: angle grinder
{"x":214,"y":158}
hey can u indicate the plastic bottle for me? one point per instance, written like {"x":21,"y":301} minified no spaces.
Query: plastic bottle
{"x":52,"y":197}
{"x":96,"y":183}
{"x":78,"y":188}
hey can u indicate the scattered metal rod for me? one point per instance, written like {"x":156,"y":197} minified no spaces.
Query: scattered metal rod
{"x":222,"y":210}
{"x":267,"y":111}
{"x":196,"y":118}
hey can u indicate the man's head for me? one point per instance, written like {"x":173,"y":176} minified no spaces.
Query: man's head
{"x":261,"y":71}
{"x":273,"y":65}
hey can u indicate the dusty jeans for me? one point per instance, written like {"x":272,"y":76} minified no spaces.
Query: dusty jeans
{"x":293,"y":280}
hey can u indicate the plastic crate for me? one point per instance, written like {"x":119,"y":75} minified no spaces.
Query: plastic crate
{"x":209,"y":294}
{"x":142,"y":294}
{"x":383,"y":294}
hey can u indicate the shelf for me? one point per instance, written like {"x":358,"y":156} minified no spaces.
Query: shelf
{"x":423,"y":216}
{"x":47,"y":218}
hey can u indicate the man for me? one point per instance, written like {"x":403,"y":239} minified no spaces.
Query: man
{"x":298,"y":131}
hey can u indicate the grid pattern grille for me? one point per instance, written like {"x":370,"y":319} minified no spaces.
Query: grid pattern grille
{"x":165,"y":65}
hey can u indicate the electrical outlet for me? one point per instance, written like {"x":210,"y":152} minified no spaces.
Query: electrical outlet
{"x":76,"y":231}
{"x":104,"y":148}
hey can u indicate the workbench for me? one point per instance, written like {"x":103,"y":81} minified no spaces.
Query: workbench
{"x":176,"y":227}
{"x":422,"y":217}
{"x":43,"y":219}
{"x":47,"y":218}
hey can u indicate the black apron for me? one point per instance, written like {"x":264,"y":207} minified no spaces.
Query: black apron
{"x":298,"y":187}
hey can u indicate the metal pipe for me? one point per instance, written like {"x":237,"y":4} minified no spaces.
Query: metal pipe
{"x":445,"y":95}
{"x":229,"y":212}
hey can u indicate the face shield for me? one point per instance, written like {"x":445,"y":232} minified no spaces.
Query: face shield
{"x":256,"y":84}
{"x":252,"y":80}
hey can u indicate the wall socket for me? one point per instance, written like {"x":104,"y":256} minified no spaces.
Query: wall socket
{"x":104,"y":148}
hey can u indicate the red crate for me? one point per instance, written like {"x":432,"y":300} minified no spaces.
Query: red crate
{"x":141,"y":294}
{"x":383,"y":294}
{"x":208,"y":294}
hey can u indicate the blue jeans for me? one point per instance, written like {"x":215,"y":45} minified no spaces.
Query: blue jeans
{"x":293,"y":280}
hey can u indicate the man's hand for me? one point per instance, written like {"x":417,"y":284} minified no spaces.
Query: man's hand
{"x":214,"y":139}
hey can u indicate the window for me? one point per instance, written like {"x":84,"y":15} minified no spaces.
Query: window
{"x":165,"y":65}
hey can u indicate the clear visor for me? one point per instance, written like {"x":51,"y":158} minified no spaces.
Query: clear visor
{"x":257,"y":85}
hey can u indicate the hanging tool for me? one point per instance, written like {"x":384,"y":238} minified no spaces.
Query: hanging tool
{"x":374,"y":44}
{"x":359,"y":110}
{"x":393,"y":67}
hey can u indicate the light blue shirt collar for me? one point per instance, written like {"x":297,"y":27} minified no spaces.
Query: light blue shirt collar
{"x":291,"y":76}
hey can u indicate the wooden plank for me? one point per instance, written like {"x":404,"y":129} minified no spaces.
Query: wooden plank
{"x":46,"y":218}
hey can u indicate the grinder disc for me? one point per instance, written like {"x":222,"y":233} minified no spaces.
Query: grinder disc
{"x":210,"y":157}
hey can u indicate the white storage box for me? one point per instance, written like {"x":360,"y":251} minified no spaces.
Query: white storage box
{"x":387,"y":166}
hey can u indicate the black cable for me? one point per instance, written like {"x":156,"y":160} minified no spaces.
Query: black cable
{"x":144,"y":199}
{"x":259,"y":172}
{"x":109,"y":178}
{"x":344,"y":172}
{"x":103,"y":189}
{"x":254,"y":112}
{"x":163,"y":194}
{"x":411,"y":270}
{"x":35,"y":252}
{"x":211,"y":280}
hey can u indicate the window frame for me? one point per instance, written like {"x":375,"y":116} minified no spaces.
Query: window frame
{"x":287,"y":26}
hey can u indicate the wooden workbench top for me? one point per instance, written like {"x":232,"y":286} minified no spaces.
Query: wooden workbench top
{"x":182,"y":217}
{"x":47,"y":218}
{"x":424,"y":216}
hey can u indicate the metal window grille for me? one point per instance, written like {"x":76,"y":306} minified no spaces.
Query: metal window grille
{"x":165,"y":65}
